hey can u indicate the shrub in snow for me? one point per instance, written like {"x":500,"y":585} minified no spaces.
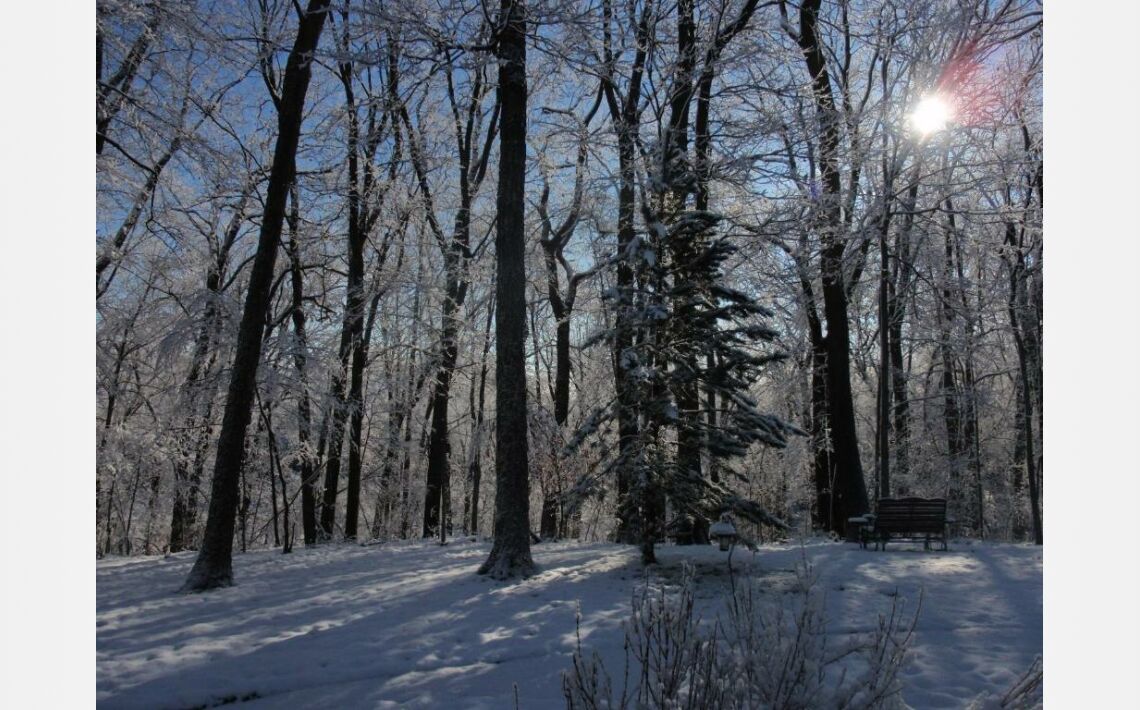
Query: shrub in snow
{"x":762,"y":653}
{"x":1024,"y":694}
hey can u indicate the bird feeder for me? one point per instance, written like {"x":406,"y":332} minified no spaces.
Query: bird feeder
{"x":724,"y":532}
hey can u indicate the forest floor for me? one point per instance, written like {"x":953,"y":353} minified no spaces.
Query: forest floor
{"x":410,"y":624}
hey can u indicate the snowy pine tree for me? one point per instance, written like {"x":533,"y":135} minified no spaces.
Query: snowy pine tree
{"x":692,"y":332}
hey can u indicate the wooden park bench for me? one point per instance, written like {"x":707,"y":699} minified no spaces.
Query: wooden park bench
{"x":908,"y":519}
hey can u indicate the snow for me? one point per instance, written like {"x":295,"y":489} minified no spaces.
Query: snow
{"x":412,"y":625}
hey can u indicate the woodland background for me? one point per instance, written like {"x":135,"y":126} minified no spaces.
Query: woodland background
{"x":1092,"y":143}
{"x":901,"y":272}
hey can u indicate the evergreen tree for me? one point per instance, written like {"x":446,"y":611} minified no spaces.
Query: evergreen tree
{"x":691,"y":331}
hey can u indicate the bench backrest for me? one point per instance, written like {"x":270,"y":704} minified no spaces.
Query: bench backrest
{"x":911,"y":514}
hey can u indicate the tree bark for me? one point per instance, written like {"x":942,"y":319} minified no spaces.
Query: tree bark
{"x":510,"y":554}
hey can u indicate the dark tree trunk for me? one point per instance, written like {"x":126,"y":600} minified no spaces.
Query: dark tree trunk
{"x":355,"y":445}
{"x":213,"y":567}
{"x":358,"y":227}
{"x":351,"y":337}
{"x":186,"y":476}
{"x":625,"y":113}
{"x":1018,"y":525}
{"x":438,"y":491}
{"x":822,"y":472}
{"x":849,"y":492}
{"x":339,"y":415}
{"x":510,"y":554}
{"x":388,"y":473}
{"x":554,"y":242}
{"x":305,"y":463}
{"x":1016,"y":306}
{"x":562,"y":370}
{"x":1027,"y":434}
{"x":683,"y":252}
{"x":951,"y":411}
{"x":475,"y":466}
{"x":822,"y":469}
{"x":456,"y":255}
{"x":281,"y":535}
{"x":970,"y":438}
{"x":884,"y":398}
{"x":898,"y":287}
{"x":548,"y":516}
{"x":629,"y":431}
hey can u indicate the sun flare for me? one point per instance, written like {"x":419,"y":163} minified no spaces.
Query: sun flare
{"x":931,"y":115}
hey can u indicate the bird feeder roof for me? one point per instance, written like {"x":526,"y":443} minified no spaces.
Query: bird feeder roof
{"x":722,"y":527}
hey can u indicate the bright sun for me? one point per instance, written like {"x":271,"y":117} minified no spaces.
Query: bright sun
{"x":931,"y":115}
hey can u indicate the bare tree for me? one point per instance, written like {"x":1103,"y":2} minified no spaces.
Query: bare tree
{"x":213,"y":567}
{"x":510,"y":554}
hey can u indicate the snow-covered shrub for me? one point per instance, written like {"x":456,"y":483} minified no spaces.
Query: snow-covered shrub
{"x":762,"y":653}
{"x":784,"y":657}
{"x":675,"y":661}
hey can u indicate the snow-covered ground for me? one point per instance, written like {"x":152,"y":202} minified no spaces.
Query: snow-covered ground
{"x":412,"y":625}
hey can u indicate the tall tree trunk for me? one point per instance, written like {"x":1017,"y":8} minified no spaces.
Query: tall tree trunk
{"x":186,"y":479}
{"x":358,"y":226}
{"x":884,"y":398}
{"x":214,"y":565}
{"x":1018,"y":525}
{"x":970,"y":438}
{"x":849,"y":492}
{"x":355,"y":444}
{"x":683,"y":251}
{"x":475,"y":465}
{"x":351,"y":338}
{"x":306,"y":457}
{"x":625,"y":113}
{"x":898,"y":288}
{"x":951,"y":408}
{"x":438,"y":490}
{"x":1015,"y":306}
{"x":456,"y":256}
{"x":338,"y":417}
{"x":510,"y":554}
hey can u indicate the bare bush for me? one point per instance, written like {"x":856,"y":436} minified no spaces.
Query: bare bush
{"x":761,"y":653}
{"x":1024,"y":694}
